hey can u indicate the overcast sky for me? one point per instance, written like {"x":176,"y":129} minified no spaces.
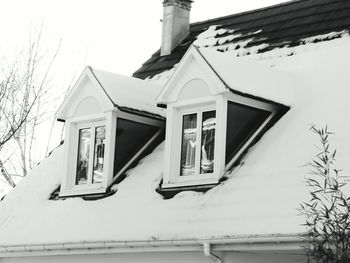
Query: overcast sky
{"x":108,"y":34}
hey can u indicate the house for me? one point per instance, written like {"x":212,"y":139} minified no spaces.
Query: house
{"x":199,"y":157}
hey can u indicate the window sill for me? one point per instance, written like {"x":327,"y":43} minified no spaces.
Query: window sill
{"x":85,"y":191}
{"x":191,"y":183}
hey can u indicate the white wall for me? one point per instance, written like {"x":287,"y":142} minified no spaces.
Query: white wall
{"x":173,"y":257}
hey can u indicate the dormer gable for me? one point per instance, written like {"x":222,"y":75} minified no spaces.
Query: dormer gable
{"x":208,"y":72}
{"x":193,"y":79}
{"x":86,"y":97}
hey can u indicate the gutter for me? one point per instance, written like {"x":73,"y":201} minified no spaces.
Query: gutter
{"x":291,"y":243}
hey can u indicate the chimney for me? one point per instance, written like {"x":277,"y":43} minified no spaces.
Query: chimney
{"x":176,"y":24}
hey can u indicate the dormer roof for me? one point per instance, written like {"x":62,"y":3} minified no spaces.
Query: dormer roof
{"x":112,"y":91}
{"x":224,"y":73}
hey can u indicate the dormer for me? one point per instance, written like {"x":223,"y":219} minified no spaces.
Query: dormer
{"x":109,"y":121}
{"x":216,"y":108}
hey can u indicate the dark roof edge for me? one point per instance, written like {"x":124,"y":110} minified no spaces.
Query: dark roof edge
{"x":141,"y":113}
{"x":246,"y":12}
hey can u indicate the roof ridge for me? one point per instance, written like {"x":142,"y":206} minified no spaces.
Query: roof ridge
{"x":247,"y":12}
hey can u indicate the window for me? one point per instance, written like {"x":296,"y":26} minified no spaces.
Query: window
{"x":188,"y":149}
{"x":198,"y":127}
{"x":83,"y":156}
{"x":207,"y":137}
{"x":91,"y":152}
{"x":99,"y":153}
{"x":208,"y":142}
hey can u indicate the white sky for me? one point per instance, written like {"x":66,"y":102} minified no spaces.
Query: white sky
{"x":114,"y":35}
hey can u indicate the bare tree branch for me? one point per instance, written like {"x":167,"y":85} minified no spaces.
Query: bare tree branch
{"x":24,"y":101}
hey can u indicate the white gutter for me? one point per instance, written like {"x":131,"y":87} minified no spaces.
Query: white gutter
{"x":240,"y":243}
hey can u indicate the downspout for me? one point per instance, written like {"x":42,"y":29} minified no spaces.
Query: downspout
{"x":211,"y":255}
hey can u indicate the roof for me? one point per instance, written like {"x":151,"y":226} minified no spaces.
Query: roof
{"x":286,"y":24}
{"x":225,"y":73}
{"x":259,"y":198}
{"x":125,"y":93}
{"x":250,"y":78}
{"x":130,"y":93}
{"x":4,"y":187}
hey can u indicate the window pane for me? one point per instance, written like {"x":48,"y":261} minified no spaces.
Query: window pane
{"x":208,"y":141}
{"x":131,"y":137}
{"x":99,"y":153}
{"x":242,"y":122}
{"x":188,"y":147}
{"x":83,"y":156}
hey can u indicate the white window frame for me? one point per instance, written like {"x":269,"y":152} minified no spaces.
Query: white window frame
{"x":92,"y":126}
{"x":68,"y":186}
{"x":199,"y":112}
{"x":173,"y":143}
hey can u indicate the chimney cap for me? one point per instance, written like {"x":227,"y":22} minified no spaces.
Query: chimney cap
{"x":186,"y":4}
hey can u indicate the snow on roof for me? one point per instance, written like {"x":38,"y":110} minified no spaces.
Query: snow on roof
{"x":249,"y":77}
{"x":253,"y":53}
{"x":129,"y":92}
{"x":225,"y":37}
{"x":5,"y":186}
{"x":260,"y":197}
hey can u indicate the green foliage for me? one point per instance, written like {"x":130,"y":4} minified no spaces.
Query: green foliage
{"x":327,"y":212}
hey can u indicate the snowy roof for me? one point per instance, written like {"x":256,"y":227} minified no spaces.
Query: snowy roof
{"x":4,"y":187}
{"x":113,"y":90}
{"x":250,"y":77}
{"x":257,"y":31}
{"x":259,"y":198}
{"x":128,"y":92}
{"x":241,"y":76}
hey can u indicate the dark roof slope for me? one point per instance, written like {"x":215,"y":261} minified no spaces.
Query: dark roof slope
{"x":279,"y":25}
